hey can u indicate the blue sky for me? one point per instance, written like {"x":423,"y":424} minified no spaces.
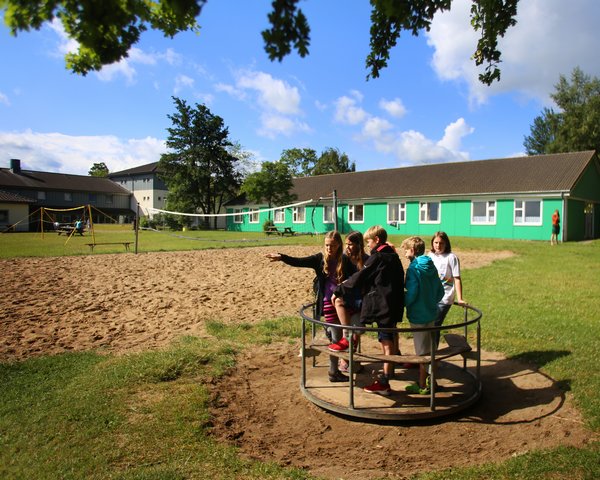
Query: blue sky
{"x":426,"y":107}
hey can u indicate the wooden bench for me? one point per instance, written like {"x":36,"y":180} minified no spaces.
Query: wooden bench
{"x":288,"y":231}
{"x":457,"y":345}
{"x":125,"y":244}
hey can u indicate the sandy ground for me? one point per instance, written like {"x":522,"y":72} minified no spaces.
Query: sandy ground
{"x":125,"y":303}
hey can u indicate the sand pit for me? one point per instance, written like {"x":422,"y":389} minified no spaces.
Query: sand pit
{"x":126,"y":303}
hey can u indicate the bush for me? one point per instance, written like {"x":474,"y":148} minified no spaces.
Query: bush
{"x":268,"y":223}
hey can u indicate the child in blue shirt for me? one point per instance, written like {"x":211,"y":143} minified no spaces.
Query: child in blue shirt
{"x":423,"y":292}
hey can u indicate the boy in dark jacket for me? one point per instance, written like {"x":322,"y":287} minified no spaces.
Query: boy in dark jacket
{"x":382,"y":283}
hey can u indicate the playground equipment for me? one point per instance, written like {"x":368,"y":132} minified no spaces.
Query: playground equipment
{"x":454,"y":371}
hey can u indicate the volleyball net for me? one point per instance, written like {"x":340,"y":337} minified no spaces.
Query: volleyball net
{"x":294,"y":216}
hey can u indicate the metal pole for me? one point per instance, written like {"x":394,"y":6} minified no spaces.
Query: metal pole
{"x":137,"y":227}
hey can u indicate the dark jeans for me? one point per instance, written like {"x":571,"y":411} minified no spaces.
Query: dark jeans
{"x":443,"y":310}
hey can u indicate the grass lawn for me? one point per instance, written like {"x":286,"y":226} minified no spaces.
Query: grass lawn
{"x":145,"y":416}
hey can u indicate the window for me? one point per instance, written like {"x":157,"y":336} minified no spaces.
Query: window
{"x":41,"y":195}
{"x":396,"y":213}
{"x":528,"y":212}
{"x":298,"y":215}
{"x":92,"y":197}
{"x":3,"y":216}
{"x":483,"y":212}
{"x":327,"y":214}
{"x":237,"y":217}
{"x":355,"y":213}
{"x":429,"y":212}
{"x":279,"y":216}
{"x":68,"y":197}
{"x":109,"y":199}
{"x":253,"y":215}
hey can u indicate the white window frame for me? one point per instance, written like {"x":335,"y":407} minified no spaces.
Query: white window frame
{"x":253,"y":215}
{"x":401,"y":207}
{"x":352,"y":213}
{"x":520,"y":205}
{"x":237,"y":215}
{"x":490,"y":212}
{"x":327,"y":214}
{"x":279,"y":215}
{"x":299,"y":215}
{"x":425,"y":212}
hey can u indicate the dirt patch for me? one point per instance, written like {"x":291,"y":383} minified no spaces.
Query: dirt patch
{"x":126,"y":303}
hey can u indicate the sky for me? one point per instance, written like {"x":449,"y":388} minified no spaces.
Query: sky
{"x":427,"y":106}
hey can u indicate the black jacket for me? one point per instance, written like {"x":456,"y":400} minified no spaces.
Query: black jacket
{"x":317,"y":263}
{"x":381,"y":282}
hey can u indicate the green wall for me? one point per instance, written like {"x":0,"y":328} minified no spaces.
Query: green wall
{"x":455,"y":220}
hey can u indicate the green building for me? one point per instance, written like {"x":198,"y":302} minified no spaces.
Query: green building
{"x":500,"y":198}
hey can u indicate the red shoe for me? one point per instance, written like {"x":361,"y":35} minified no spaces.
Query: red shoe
{"x":380,"y":388}
{"x":340,"y":346}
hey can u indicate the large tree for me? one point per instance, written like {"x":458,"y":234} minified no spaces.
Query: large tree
{"x":300,"y":161}
{"x":98,"y":170}
{"x":272,"y":184}
{"x":199,"y":170}
{"x":333,"y":161}
{"x":576,"y":124}
{"x":106,"y":30}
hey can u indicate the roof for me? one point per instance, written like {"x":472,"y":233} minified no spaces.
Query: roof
{"x":148,"y":168}
{"x":9,"y":197}
{"x":535,"y":174}
{"x":32,"y":180}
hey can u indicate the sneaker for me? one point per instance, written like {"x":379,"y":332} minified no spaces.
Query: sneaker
{"x":340,"y":346}
{"x":378,"y":387}
{"x":416,"y":389}
{"x":337,"y":377}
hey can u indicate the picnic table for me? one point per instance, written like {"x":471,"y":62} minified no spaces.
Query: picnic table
{"x":273,"y":230}
{"x":68,"y":229}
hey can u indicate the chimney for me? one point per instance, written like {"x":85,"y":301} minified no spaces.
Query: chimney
{"x":15,"y":165}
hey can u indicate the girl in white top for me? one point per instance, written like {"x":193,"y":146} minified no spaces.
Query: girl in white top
{"x":448,"y":268}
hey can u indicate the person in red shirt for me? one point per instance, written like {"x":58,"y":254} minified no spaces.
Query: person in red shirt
{"x":555,"y":228}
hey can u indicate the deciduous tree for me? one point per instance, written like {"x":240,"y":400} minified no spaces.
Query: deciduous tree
{"x":300,"y":161}
{"x":333,"y":161}
{"x":576,"y":124}
{"x":106,"y":30}
{"x":272,"y":185}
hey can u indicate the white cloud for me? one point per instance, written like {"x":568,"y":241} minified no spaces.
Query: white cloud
{"x":181,"y":82}
{"x":347,"y":111}
{"x":273,"y":125}
{"x":4,"y":99}
{"x":409,"y":146}
{"x":231,"y":90}
{"x":454,"y":133}
{"x":273,"y":94}
{"x":55,"y":152}
{"x":394,"y":107}
{"x":277,"y":101}
{"x":550,"y":39}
